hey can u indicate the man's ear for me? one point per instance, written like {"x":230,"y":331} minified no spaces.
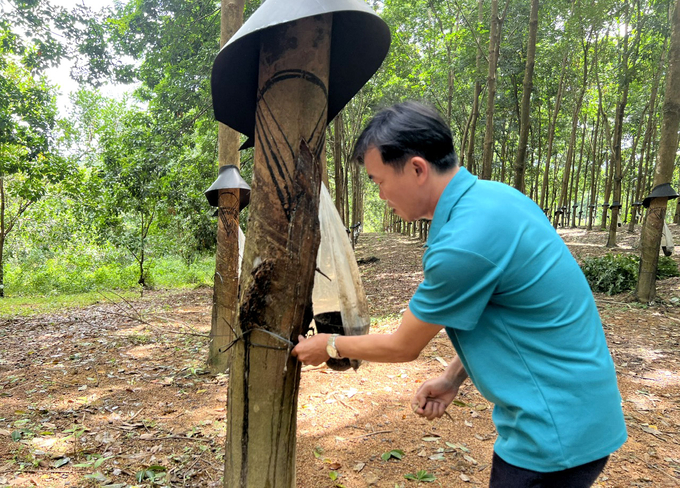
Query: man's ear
{"x":420,"y":166}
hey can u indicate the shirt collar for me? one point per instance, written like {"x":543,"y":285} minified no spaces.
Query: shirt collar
{"x":456,"y":188}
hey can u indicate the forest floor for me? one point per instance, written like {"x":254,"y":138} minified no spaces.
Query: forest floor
{"x":116,"y":392}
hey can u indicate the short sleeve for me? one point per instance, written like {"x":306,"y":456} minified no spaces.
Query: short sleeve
{"x":457,"y":287}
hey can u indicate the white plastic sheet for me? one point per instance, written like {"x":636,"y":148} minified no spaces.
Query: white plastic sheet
{"x":667,"y":240}
{"x":338,"y":292}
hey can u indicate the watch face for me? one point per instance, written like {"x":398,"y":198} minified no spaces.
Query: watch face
{"x":330,"y":350}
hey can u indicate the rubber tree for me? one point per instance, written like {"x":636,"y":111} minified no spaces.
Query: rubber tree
{"x":225,"y":291}
{"x":627,"y":72}
{"x":278,"y":273}
{"x":564,"y":200}
{"x":494,"y":52}
{"x":474,"y":112}
{"x":646,"y":142}
{"x":663,"y":173}
{"x":527,"y":84}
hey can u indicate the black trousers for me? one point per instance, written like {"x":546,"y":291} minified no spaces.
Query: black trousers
{"x":504,"y":475}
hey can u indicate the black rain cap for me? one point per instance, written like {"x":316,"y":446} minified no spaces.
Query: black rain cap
{"x":229,"y":178}
{"x":662,"y":190}
{"x":359,"y":43}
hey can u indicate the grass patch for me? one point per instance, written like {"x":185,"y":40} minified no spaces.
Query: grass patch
{"x":28,"y":306}
{"x":80,"y":275}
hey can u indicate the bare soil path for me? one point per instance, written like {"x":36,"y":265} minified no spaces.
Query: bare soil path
{"x":115,"y":394}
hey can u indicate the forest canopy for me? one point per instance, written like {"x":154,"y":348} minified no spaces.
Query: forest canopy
{"x":562,"y":100}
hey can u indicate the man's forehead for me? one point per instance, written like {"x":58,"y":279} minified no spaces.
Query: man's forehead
{"x":371,"y":159}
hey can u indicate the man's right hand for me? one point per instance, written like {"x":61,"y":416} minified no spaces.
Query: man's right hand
{"x":434,"y":396}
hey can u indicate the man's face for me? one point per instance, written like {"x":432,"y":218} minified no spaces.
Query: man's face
{"x":399,"y":188}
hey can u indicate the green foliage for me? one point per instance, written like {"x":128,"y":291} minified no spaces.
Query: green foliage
{"x":394,"y":453}
{"x":612,"y":273}
{"x":104,"y":269}
{"x":617,"y":273}
{"x":421,"y":476}
{"x":666,"y":268}
{"x":92,"y":461}
{"x":136,"y":195}
{"x":155,"y":474}
{"x":174,"y":272}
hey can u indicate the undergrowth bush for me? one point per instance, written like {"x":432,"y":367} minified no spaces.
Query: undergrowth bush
{"x":70,"y":273}
{"x":667,"y":268}
{"x":617,"y":273}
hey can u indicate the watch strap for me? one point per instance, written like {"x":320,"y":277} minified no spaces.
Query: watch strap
{"x":331,"y":343}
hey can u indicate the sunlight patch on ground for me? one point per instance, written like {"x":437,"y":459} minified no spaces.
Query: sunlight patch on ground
{"x":55,"y":446}
{"x":649,"y":354}
{"x":143,"y":351}
{"x":664,"y":378}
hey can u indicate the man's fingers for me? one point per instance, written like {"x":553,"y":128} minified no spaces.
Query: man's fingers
{"x":431,"y":410}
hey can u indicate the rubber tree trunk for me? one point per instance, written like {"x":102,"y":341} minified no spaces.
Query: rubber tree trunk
{"x":551,"y":132}
{"x":357,"y":195}
{"x":225,"y":288}
{"x":639,"y":182}
{"x":608,"y":170}
{"x":663,"y":173}
{"x":280,"y":254}
{"x":527,"y":84}
{"x":577,"y":180}
{"x":494,"y":49}
{"x":595,"y":170}
{"x":618,"y":136}
{"x":474,"y":114}
{"x":337,"y":159}
{"x":575,"y":116}
{"x":2,"y":264}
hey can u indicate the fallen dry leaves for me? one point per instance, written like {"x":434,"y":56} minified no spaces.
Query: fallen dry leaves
{"x":116,"y":395}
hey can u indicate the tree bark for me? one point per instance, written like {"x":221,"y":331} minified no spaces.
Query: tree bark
{"x":527,"y":85}
{"x":225,"y":288}
{"x":279,"y":262}
{"x":3,"y":235}
{"x":663,"y":173}
{"x":608,"y":169}
{"x":2,"y":265}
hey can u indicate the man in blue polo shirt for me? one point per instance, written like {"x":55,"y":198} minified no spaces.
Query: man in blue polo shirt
{"x":511,"y":298}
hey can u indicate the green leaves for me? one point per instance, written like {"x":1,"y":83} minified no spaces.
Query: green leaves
{"x":617,"y":273}
{"x":93,"y":461}
{"x":394,"y":453}
{"x":421,"y":476}
{"x":152,"y":473}
{"x":61,"y":462}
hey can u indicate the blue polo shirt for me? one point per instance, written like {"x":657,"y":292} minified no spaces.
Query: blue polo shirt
{"x":523,"y":321}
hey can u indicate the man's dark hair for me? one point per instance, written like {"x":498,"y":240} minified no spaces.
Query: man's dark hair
{"x":405,"y":130}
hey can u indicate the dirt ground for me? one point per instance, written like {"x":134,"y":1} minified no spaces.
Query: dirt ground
{"x":116,"y":394}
